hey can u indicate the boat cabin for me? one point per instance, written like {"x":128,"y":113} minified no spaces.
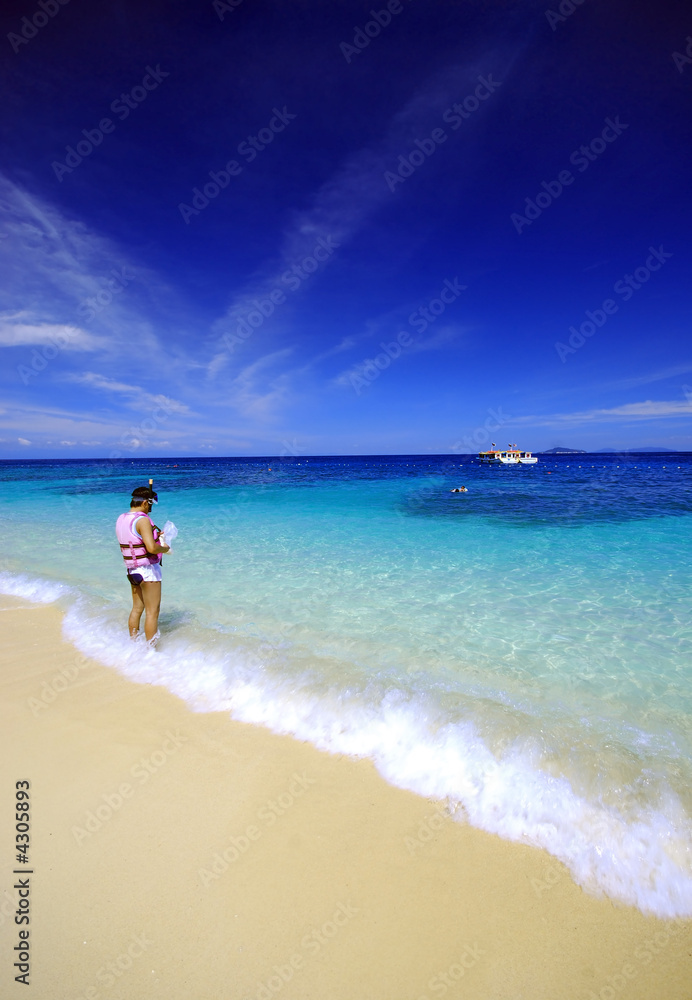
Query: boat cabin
{"x":506,"y":456}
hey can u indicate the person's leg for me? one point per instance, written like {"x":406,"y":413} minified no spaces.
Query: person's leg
{"x":137,"y":609}
{"x":151,"y":595}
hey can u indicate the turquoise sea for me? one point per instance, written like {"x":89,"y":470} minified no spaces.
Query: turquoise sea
{"x":521,"y":652}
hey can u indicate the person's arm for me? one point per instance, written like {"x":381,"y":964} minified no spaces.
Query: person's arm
{"x":145,"y":530}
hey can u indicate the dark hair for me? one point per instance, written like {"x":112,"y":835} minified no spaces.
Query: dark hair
{"x":142,"y":493}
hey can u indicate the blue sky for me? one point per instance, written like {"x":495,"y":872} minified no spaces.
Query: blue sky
{"x":304,"y":228}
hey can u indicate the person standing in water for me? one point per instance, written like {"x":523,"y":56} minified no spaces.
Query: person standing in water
{"x":140,"y":548}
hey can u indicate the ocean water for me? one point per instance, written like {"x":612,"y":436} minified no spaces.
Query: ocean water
{"x":521,"y":652}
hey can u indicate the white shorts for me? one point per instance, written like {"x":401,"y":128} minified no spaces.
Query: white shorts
{"x":149,"y":574}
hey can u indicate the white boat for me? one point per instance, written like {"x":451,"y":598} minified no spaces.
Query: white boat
{"x":508,"y":456}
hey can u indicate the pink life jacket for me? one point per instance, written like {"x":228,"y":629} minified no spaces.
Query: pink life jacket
{"x":132,"y":547}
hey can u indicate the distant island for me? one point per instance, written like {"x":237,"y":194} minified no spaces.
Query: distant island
{"x":564,"y":451}
{"x":608,"y":451}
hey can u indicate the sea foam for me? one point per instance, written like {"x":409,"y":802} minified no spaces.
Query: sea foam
{"x":33,"y":588}
{"x":637,"y":853}
{"x":640,"y":855}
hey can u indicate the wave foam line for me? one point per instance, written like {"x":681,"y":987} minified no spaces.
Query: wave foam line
{"x":643,"y":860}
{"x":33,"y":588}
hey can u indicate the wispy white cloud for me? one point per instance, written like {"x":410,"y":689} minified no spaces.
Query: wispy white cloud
{"x":15,"y":333}
{"x":657,"y":376}
{"x":345,"y":344}
{"x":349,"y":376}
{"x":49,"y":425}
{"x":138,"y":398}
{"x":440,"y":339}
{"x":647,"y":410}
{"x":59,"y":423}
{"x":257,"y":393}
{"x":58,"y":265}
{"x":357,"y":189}
{"x":217,"y":364}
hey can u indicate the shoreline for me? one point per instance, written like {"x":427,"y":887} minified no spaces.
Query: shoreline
{"x":185,"y":854}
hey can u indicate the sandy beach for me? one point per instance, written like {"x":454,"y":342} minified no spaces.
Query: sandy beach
{"x":185,"y":855}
